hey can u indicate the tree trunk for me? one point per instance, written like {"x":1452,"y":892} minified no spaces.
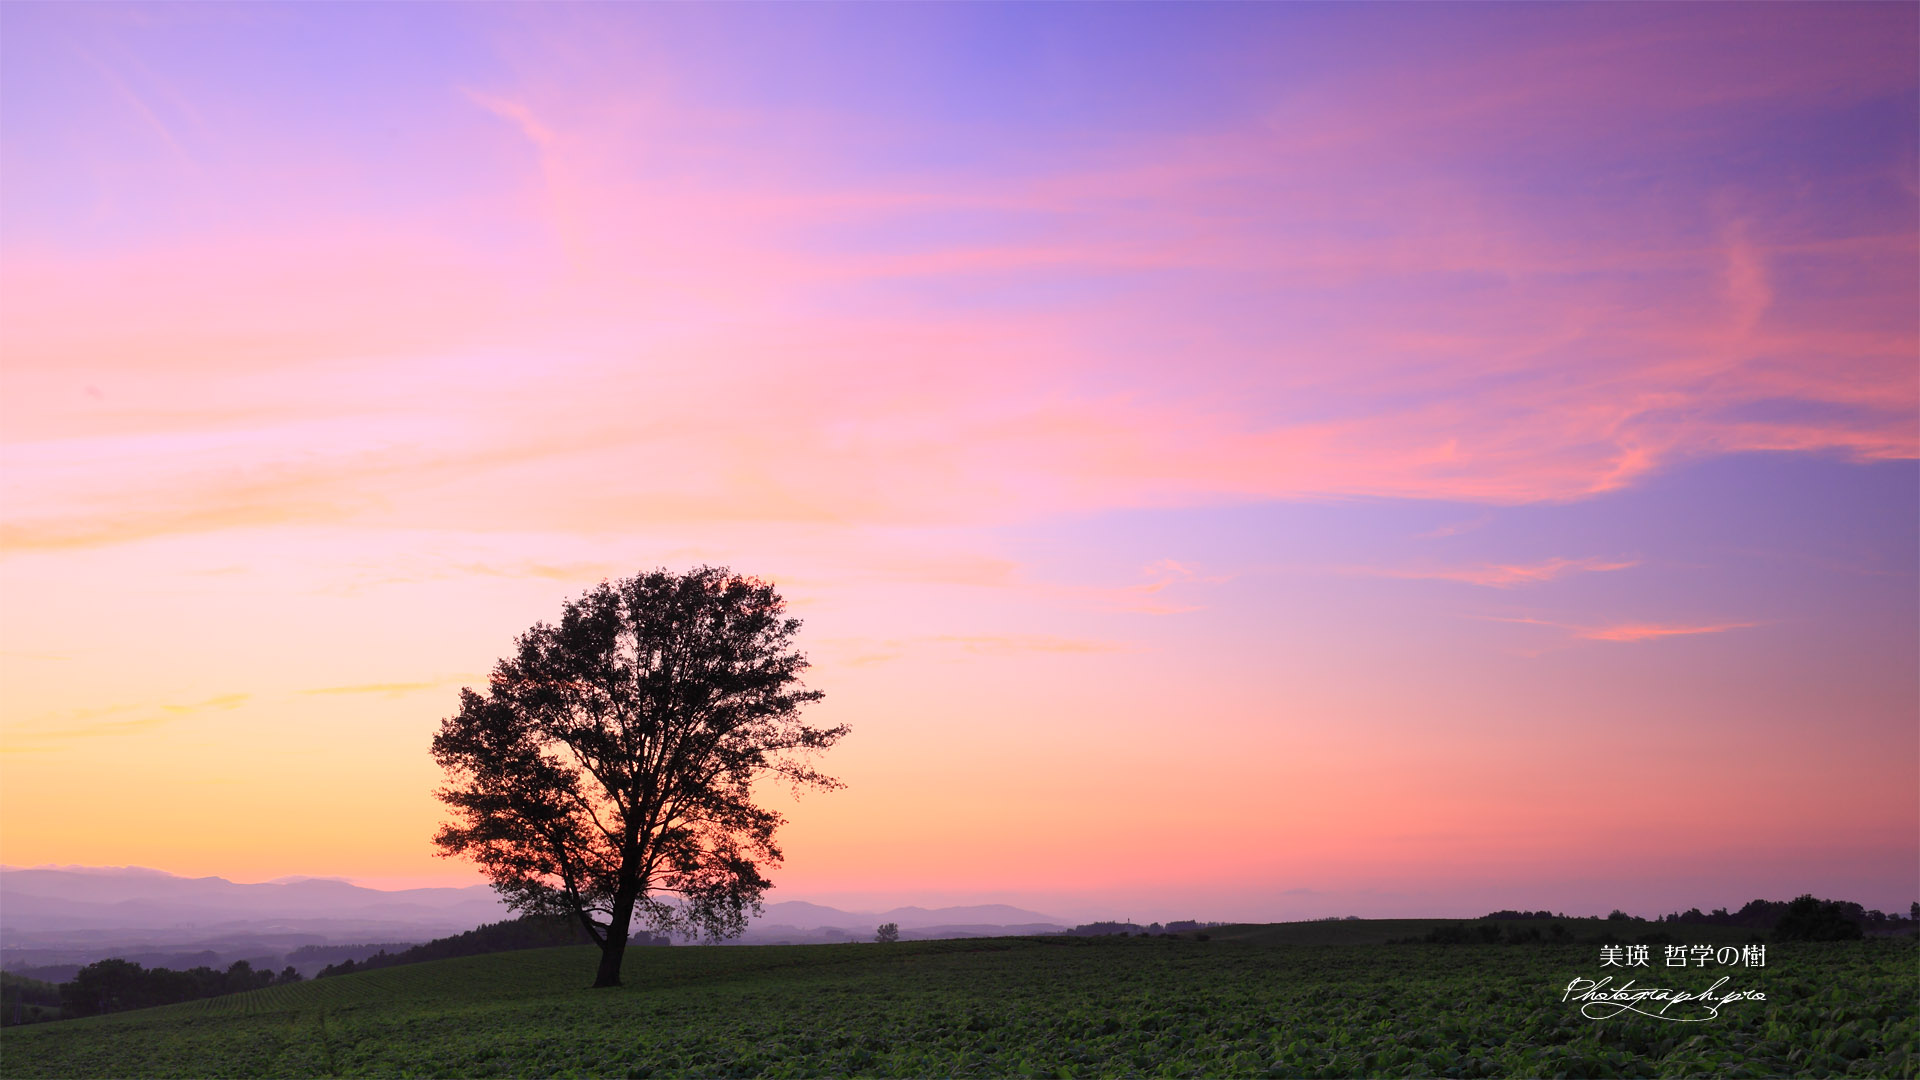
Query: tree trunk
{"x":610,"y":956}
{"x":614,"y":949}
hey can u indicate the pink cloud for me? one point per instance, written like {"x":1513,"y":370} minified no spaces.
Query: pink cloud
{"x":674,"y":308}
{"x":1630,"y":632}
{"x":1504,"y":575}
{"x":1653,"y":631}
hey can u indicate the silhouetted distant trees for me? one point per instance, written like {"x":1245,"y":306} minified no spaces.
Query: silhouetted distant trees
{"x":307,"y":955}
{"x":1486,"y":933}
{"x":1805,"y":919}
{"x":527,"y":932}
{"x":114,"y":985}
{"x":27,"y":1001}
{"x":1805,"y":915}
{"x":1756,"y":915}
{"x":1099,"y":929}
{"x":1811,"y":919}
{"x":1760,"y":915}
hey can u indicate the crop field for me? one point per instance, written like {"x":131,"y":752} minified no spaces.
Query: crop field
{"x":1246,"y":1003}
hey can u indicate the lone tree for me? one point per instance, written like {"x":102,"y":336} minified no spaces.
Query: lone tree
{"x":609,"y":767}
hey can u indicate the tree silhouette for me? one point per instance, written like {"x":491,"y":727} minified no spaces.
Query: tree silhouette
{"x":1809,"y":918}
{"x":608,"y":768}
{"x":887,"y":934}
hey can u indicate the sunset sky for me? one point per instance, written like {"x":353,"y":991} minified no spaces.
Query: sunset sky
{"x":1233,"y":462}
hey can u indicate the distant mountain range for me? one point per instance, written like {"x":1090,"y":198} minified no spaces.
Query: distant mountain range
{"x":42,"y":901}
{"x":67,"y":916}
{"x":796,"y":922}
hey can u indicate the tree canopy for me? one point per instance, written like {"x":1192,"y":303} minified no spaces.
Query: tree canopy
{"x":609,"y":767}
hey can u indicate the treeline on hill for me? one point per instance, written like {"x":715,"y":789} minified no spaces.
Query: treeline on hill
{"x":526,"y":932}
{"x":1102,"y":929}
{"x":333,"y":954}
{"x":114,"y":985}
{"x":27,"y":1001}
{"x":1807,"y":918}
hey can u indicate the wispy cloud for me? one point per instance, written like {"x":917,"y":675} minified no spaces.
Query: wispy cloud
{"x":1152,"y":597}
{"x":516,"y":113}
{"x":1005,"y":644}
{"x":577,"y":571}
{"x":223,"y":701}
{"x":417,"y":570}
{"x":1501,"y":575}
{"x":49,"y":731}
{"x":1453,"y":529}
{"x":1627,"y":631}
{"x":392,"y":689}
{"x":1653,"y":631}
{"x":862,"y":652}
{"x":874,"y":386}
{"x":140,"y":108}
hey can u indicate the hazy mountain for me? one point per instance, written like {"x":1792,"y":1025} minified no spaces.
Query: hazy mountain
{"x":75,"y":898}
{"x":919,"y":918}
{"x":799,"y":913}
{"x":797,"y":922}
{"x":57,"y":919}
{"x":74,"y":915}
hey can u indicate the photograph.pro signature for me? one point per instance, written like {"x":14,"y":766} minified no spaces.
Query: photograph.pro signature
{"x":1600,"y":999}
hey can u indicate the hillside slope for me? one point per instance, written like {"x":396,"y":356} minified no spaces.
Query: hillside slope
{"x":1007,"y":1006}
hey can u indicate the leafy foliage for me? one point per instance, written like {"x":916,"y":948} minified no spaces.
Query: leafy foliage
{"x":609,"y":767}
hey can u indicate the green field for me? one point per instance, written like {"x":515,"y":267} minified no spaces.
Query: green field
{"x":1314,"y":999}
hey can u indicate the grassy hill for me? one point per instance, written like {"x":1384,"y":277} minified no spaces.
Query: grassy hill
{"x":1013,"y":1006}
